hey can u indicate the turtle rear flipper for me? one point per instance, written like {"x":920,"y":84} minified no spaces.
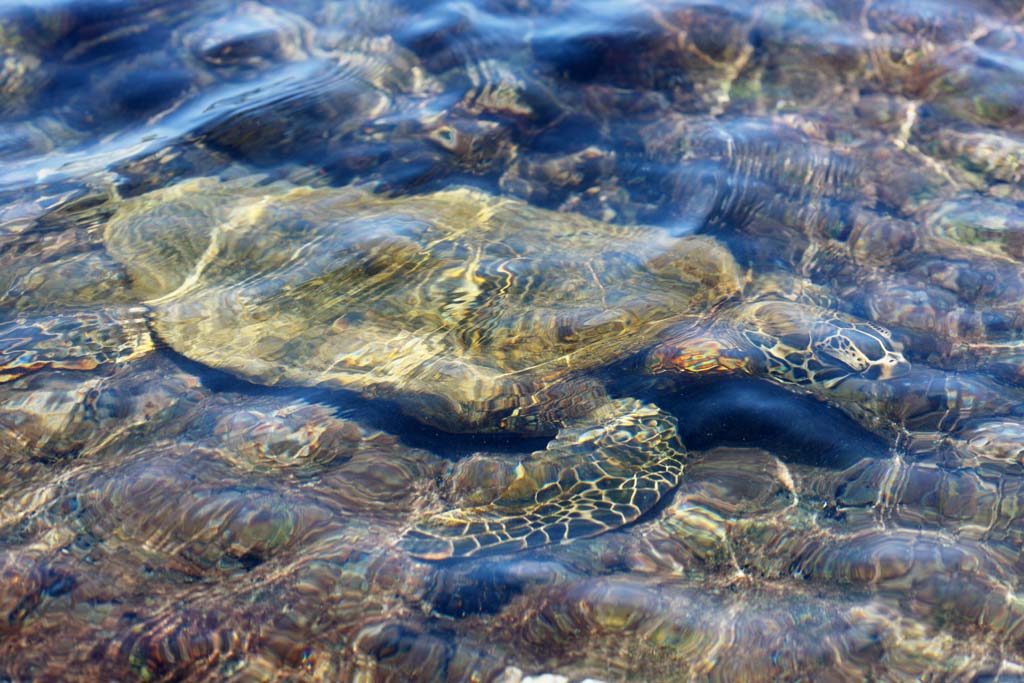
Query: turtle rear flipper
{"x":592,"y":478}
{"x":73,"y":340}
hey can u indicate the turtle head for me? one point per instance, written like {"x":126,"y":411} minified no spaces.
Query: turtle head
{"x":806,"y":344}
{"x":788,"y":342}
{"x":863,"y":348}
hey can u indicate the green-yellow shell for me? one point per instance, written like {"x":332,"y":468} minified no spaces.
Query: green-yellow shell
{"x":470,"y":310}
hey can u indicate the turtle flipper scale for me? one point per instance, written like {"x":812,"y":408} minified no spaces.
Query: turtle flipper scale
{"x":612,"y":471}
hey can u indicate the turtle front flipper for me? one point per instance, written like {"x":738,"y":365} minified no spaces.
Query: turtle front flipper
{"x":592,"y":478}
{"x":73,"y":340}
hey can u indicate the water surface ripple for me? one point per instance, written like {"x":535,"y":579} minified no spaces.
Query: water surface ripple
{"x":512,"y":340}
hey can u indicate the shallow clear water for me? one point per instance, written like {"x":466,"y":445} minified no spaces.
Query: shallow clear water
{"x":662,"y":341}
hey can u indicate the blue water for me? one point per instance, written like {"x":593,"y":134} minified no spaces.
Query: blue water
{"x":169,"y":513}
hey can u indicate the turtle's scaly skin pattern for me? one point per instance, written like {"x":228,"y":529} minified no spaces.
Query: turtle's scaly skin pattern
{"x":588,"y":481}
{"x":789,"y":342}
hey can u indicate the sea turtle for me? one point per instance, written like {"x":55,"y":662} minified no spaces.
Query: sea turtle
{"x":476,"y":313}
